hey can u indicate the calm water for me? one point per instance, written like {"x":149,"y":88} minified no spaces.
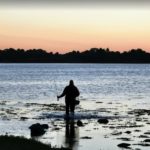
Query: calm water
{"x":106,"y":90}
{"x":42,"y":82}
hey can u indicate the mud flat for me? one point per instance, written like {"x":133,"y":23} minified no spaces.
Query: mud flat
{"x":115,"y":123}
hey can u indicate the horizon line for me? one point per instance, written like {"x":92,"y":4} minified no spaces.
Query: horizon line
{"x":51,"y":51}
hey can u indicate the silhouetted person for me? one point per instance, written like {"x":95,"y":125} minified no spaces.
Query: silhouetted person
{"x":70,"y":92}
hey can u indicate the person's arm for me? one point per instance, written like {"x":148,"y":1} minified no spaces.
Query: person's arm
{"x":63,"y":94}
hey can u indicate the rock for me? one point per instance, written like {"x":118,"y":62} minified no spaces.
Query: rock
{"x":98,"y":102}
{"x":128,"y":132}
{"x":124,"y":145}
{"x":111,"y":127}
{"x":147,"y":140}
{"x":56,"y":128}
{"x":147,"y":132}
{"x":142,"y":144}
{"x":138,"y":119}
{"x":103,"y":121}
{"x":86,"y":137}
{"x":124,"y":139}
{"x":137,"y":130}
{"x":116,"y":114}
{"x":116,"y":133}
{"x":23,"y":118}
{"x":38,"y":129}
{"x":140,"y":112}
{"x":143,"y":136}
{"x":45,"y":126}
{"x":79,"y":123}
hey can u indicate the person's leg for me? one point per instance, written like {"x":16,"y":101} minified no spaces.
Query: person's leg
{"x":72,"y":108}
{"x":67,"y":108}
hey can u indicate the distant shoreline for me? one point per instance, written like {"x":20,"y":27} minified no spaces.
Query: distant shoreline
{"x":94,"y":55}
{"x":67,"y":63}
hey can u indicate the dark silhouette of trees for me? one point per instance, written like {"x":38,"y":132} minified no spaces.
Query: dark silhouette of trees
{"x":94,"y":55}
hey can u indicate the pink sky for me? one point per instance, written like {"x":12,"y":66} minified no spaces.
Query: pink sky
{"x":64,"y":30}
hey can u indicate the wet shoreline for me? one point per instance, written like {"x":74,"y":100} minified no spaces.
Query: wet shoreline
{"x":126,"y":124}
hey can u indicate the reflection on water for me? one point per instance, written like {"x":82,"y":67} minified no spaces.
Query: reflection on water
{"x":106,"y":90}
{"x":71,"y":134}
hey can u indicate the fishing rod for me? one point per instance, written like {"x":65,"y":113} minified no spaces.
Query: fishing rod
{"x":56,"y":88}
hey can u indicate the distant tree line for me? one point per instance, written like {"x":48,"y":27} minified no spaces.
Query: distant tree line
{"x":94,"y":55}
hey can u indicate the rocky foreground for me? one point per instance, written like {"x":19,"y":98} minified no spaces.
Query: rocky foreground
{"x":20,"y":143}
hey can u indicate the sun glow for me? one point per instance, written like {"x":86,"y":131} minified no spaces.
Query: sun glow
{"x":67,"y":29}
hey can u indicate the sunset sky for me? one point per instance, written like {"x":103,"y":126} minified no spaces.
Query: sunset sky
{"x":66,"y":26}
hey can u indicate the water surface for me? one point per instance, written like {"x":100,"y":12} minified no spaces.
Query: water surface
{"x":107,"y":90}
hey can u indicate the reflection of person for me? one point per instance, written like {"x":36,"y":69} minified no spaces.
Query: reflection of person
{"x":70,"y":130}
{"x":70,"y":92}
{"x":70,"y":134}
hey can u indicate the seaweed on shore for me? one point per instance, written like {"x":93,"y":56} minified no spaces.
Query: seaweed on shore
{"x":21,"y":143}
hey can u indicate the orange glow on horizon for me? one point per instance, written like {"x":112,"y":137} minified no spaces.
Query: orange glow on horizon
{"x":65,"y":30}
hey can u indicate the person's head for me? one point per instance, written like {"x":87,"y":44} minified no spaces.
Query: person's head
{"x":71,"y":83}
